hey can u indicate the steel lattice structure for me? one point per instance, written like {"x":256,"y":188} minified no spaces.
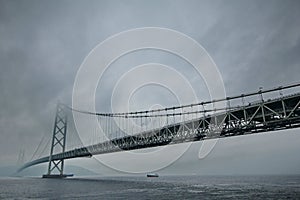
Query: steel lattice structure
{"x":58,"y":143}
{"x":260,"y":116}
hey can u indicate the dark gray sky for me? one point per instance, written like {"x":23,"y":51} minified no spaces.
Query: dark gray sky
{"x":43,"y":43}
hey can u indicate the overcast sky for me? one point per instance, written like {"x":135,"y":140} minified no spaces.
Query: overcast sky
{"x":43,"y":43}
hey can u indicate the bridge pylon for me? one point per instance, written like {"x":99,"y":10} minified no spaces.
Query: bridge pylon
{"x":58,"y":144}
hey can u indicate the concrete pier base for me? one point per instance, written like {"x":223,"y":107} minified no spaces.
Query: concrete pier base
{"x":57,"y":175}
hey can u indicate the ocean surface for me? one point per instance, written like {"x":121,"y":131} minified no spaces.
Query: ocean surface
{"x":163,"y":187}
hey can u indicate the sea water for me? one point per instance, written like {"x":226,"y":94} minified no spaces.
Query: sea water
{"x":163,"y":187}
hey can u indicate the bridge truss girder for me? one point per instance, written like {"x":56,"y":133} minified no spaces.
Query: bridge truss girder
{"x":263,"y":116}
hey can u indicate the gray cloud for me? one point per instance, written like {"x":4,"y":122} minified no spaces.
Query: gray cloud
{"x":43,"y":43}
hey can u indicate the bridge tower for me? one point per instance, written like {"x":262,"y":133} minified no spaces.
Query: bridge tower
{"x":58,"y":144}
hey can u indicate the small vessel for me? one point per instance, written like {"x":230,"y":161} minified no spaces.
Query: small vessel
{"x":152,"y":175}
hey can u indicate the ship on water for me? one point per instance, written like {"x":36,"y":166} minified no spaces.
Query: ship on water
{"x":152,"y":175}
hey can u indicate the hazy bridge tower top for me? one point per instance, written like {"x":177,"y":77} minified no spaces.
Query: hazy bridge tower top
{"x":58,"y":144}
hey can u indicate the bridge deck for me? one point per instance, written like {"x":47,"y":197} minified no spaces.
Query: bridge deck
{"x":270,"y":115}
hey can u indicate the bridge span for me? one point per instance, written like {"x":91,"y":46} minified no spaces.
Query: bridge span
{"x":209,"y":122}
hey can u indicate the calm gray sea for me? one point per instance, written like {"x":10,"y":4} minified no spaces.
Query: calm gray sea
{"x":164,"y":187}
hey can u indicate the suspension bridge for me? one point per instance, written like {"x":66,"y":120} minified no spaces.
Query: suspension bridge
{"x":243,"y":114}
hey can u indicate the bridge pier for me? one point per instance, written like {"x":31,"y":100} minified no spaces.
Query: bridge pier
{"x":56,"y":167}
{"x":56,"y":176}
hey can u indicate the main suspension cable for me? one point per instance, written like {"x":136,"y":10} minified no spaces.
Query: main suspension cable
{"x":144,"y":113}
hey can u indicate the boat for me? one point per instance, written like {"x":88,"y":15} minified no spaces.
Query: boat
{"x":152,"y":175}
